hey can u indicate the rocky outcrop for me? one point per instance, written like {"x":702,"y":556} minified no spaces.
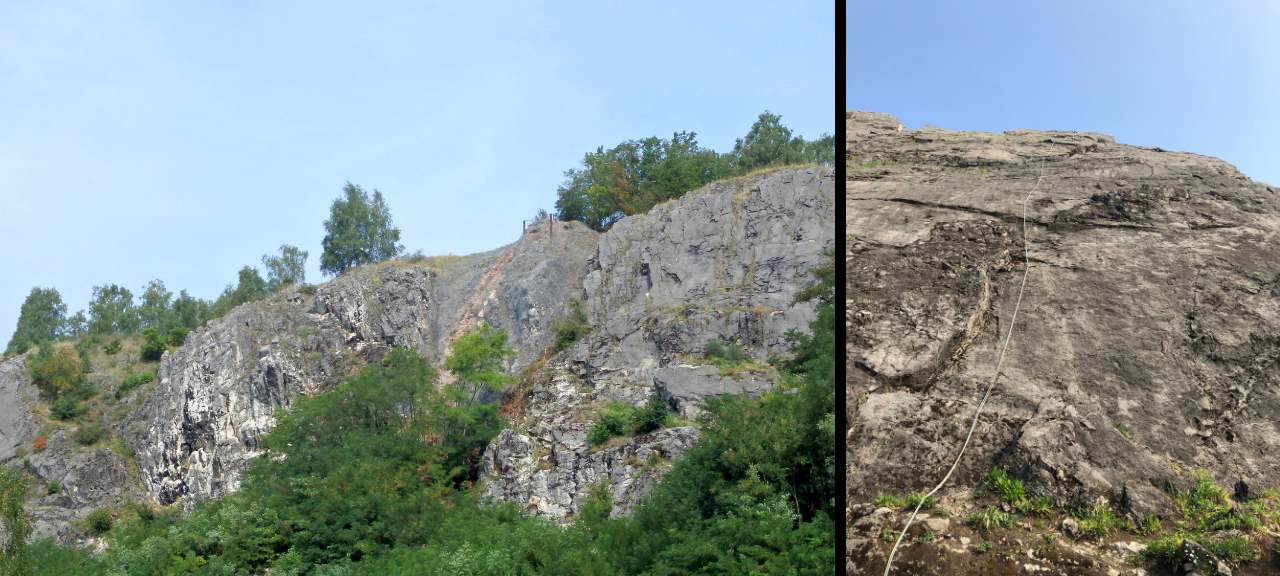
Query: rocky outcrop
{"x":722,"y":262}
{"x":685,"y":387}
{"x":1147,"y":337}
{"x":216,"y":395}
{"x":17,"y":394}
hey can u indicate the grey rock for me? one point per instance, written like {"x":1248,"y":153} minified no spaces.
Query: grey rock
{"x":216,"y":395}
{"x":17,"y":393}
{"x":723,"y":261}
{"x":685,"y":387}
{"x":1149,"y":305}
{"x":936,"y":525}
{"x":1071,"y":528}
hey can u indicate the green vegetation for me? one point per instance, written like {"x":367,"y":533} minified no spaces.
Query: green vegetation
{"x":112,"y":348}
{"x":925,"y":502}
{"x":154,"y":344}
{"x":98,"y":521}
{"x":90,"y":434}
{"x":133,"y":381}
{"x":983,"y":547}
{"x":56,"y":372}
{"x":381,"y":476}
{"x":358,"y":232}
{"x":636,"y":175}
{"x":1100,"y":520}
{"x":43,"y":318}
{"x":477,"y":360}
{"x":287,"y":269}
{"x":14,"y":486}
{"x":620,"y":419}
{"x":572,"y":328}
{"x":66,"y":408}
{"x":732,"y":352}
{"x":1009,"y":489}
{"x":889,"y":500}
{"x":990,"y":518}
{"x":53,"y":487}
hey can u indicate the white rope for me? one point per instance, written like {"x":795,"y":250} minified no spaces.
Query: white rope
{"x":972,"y":426}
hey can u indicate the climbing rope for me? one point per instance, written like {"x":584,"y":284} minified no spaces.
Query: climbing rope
{"x":1027,"y":260}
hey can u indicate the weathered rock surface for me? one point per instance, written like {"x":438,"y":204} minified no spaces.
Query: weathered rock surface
{"x":685,"y":386}
{"x":17,"y":393}
{"x":216,"y":395}
{"x":722,"y":262}
{"x":1151,"y":308}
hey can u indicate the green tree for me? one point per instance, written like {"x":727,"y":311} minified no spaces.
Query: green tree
{"x":476,"y":359}
{"x":42,"y":317}
{"x":286,"y":269}
{"x":111,"y":310}
{"x":250,"y":287}
{"x":155,"y":310}
{"x":634,"y":176}
{"x":769,"y":143}
{"x":75,"y":326}
{"x":56,"y":372}
{"x":14,"y":485}
{"x":189,"y":311}
{"x":821,"y":151}
{"x":358,"y":232}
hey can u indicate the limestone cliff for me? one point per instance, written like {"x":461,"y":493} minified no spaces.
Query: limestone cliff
{"x":1145,"y":346}
{"x":216,"y":395}
{"x":719,"y":263}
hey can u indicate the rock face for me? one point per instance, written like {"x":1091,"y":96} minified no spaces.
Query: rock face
{"x":216,"y":395}
{"x":1147,"y":338}
{"x":17,"y":393}
{"x":719,"y":263}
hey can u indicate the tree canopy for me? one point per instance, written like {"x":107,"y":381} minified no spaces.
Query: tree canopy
{"x":42,"y":318}
{"x":111,"y":310}
{"x":286,"y":269}
{"x":477,"y":359}
{"x":636,"y":175}
{"x":358,"y":232}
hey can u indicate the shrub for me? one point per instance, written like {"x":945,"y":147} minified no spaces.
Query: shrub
{"x":626,"y":420}
{"x":572,"y":328}
{"x":178,"y":335}
{"x":133,"y":381}
{"x":53,"y":487}
{"x":732,"y":352}
{"x":66,"y":408}
{"x":90,"y":434}
{"x":154,"y":346}
{"x":38,"y":445}
{"x":56,"y":372}
{"x":98,"y":521}
{"x":112,"y":347}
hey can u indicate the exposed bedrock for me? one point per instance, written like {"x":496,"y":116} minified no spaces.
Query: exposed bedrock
{"x":1146,"y":343}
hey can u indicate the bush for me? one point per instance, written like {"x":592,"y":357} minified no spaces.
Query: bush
{"x":38,"y":445}
{"x":154,"y":346}
{"x":90,"y":434}
{"x":98,"y":521}
{"x":732,"y":352}
{"x":66,"y":408}
{"x":572,"y":328}
{"x":112,"y":348}
{"x":54,"y":487}
{"x":626,"y":420}
{"x":178,"y":336}
{"x":133,"y":381}
{"x":56,"y":372}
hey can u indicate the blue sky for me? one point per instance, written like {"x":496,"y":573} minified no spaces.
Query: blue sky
{"x":1200,"y":77}
{"x":184,"y":140}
